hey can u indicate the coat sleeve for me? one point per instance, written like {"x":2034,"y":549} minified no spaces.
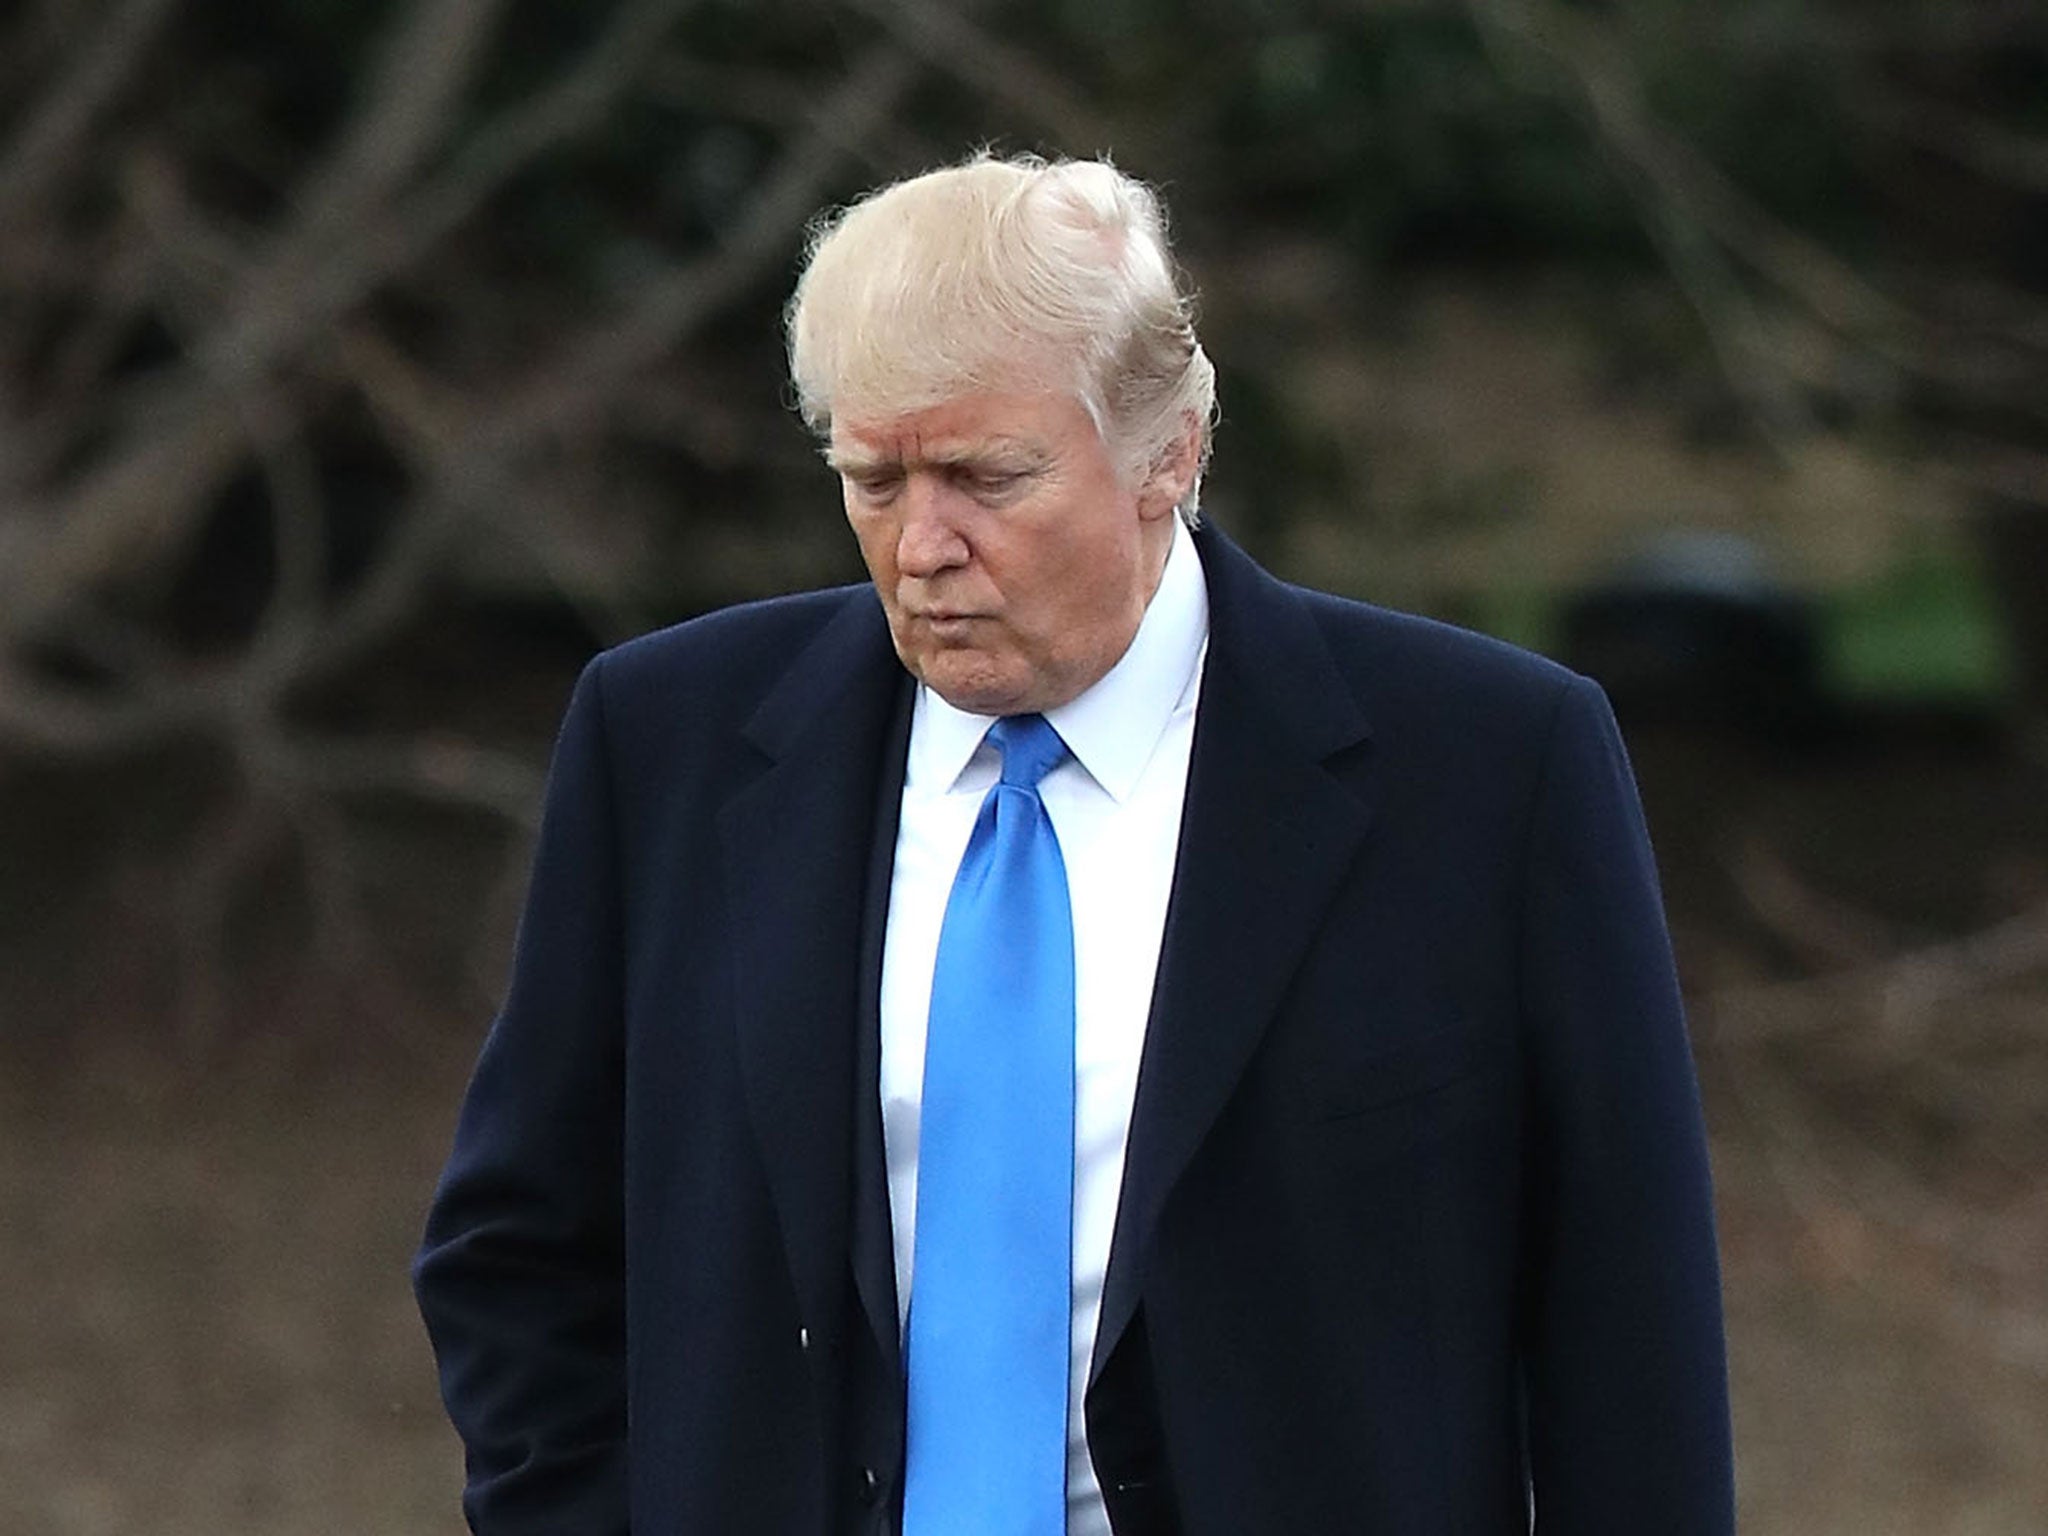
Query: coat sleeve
{"x":1625,"y":1372}
{"x":520,"y":1277}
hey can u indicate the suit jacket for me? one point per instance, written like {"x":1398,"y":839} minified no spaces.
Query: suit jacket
{"x":1415,"y":1233}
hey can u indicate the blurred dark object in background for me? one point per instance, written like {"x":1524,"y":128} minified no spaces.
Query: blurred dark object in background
{"x":2013,"y":534}
{"x":1696,"y":627}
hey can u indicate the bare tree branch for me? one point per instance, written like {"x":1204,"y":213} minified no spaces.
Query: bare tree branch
{"x":467,"y":456}
{"x":1849,"y":1198}
{"x":1825,"y":931}
{"x":151,"y":486}
{"x":566,"y":108}
{"x":1677,"y":183}
{"x":44,"y":148}
{"x":427,"y":64}
{"x":443,"y":770}
{"x":948,"y":39}
{"x":668,"y":307}
{"x":150,"y":494}
{"x":1965,"y":139}
{"x":1905,"y":990}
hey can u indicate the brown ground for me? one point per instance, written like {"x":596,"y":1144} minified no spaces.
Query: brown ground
{"x":207,"y":1326}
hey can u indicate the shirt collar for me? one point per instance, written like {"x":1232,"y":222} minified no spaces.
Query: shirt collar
{"x":1114,"y":727}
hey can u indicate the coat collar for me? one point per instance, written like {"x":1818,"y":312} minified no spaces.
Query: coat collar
{"x":1267,"y":832}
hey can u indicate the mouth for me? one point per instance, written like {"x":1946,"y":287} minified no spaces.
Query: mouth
{"x":945,"y":620}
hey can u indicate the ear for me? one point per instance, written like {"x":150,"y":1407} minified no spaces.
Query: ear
{"x":1173,"y":473}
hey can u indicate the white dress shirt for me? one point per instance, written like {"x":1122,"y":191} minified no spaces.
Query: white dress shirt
{"x":1115,"y":805}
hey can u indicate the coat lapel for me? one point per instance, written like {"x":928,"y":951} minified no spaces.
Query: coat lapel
{"x":797,"y":842}
{"x":1266,"y":834}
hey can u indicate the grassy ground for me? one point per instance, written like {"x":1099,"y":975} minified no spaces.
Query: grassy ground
{"x":207,"y":1326}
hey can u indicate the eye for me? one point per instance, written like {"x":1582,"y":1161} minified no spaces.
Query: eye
{"x":878,"y":486}
{"x":993,"y":485}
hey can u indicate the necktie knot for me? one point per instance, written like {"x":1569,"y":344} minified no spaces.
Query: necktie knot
{"x":1031,"y":748}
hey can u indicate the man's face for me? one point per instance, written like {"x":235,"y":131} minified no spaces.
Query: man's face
{"x":1012,"y":561}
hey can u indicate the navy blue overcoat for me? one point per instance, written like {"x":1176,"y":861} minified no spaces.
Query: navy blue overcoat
{"x":1415,"y":1236}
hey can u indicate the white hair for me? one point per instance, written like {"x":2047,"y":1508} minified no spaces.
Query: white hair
{"x":995,"y":275}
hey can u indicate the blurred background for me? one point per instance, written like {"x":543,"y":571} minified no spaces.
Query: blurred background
{"x":363,"y":367}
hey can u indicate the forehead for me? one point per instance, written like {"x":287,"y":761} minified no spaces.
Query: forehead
{"x":971,"y":426}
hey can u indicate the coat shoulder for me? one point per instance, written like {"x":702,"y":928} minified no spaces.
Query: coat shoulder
{"x":725,"y":661}
{"x":674,"y":694}
{"x":727,"y":643}
{"x":1403,"y":665}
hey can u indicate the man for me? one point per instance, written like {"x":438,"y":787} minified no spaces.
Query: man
{"x":1076,"y":1035}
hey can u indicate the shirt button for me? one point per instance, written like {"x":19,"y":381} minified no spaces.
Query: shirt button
{"x":803,"y":1338}
{"x":870,"y":1485}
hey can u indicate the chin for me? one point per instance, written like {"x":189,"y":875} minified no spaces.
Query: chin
{"x":980,"y":701}
{"x":975,"y":690}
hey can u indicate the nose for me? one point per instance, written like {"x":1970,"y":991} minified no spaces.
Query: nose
{"x":929,"y":541}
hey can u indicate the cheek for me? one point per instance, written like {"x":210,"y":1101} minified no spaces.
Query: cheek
{"x":877,"y":543}
{"x":1101,"y":567}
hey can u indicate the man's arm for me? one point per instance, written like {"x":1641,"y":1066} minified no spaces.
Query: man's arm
{"x":521,"y":1274}
{"x":1625,"y":1371}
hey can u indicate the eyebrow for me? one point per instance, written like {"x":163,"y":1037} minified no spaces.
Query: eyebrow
{"x":851,"y":461}
{"x":1004,"y":450}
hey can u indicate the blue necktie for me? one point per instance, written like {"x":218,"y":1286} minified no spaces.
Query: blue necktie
{"x":991,"y":1282}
